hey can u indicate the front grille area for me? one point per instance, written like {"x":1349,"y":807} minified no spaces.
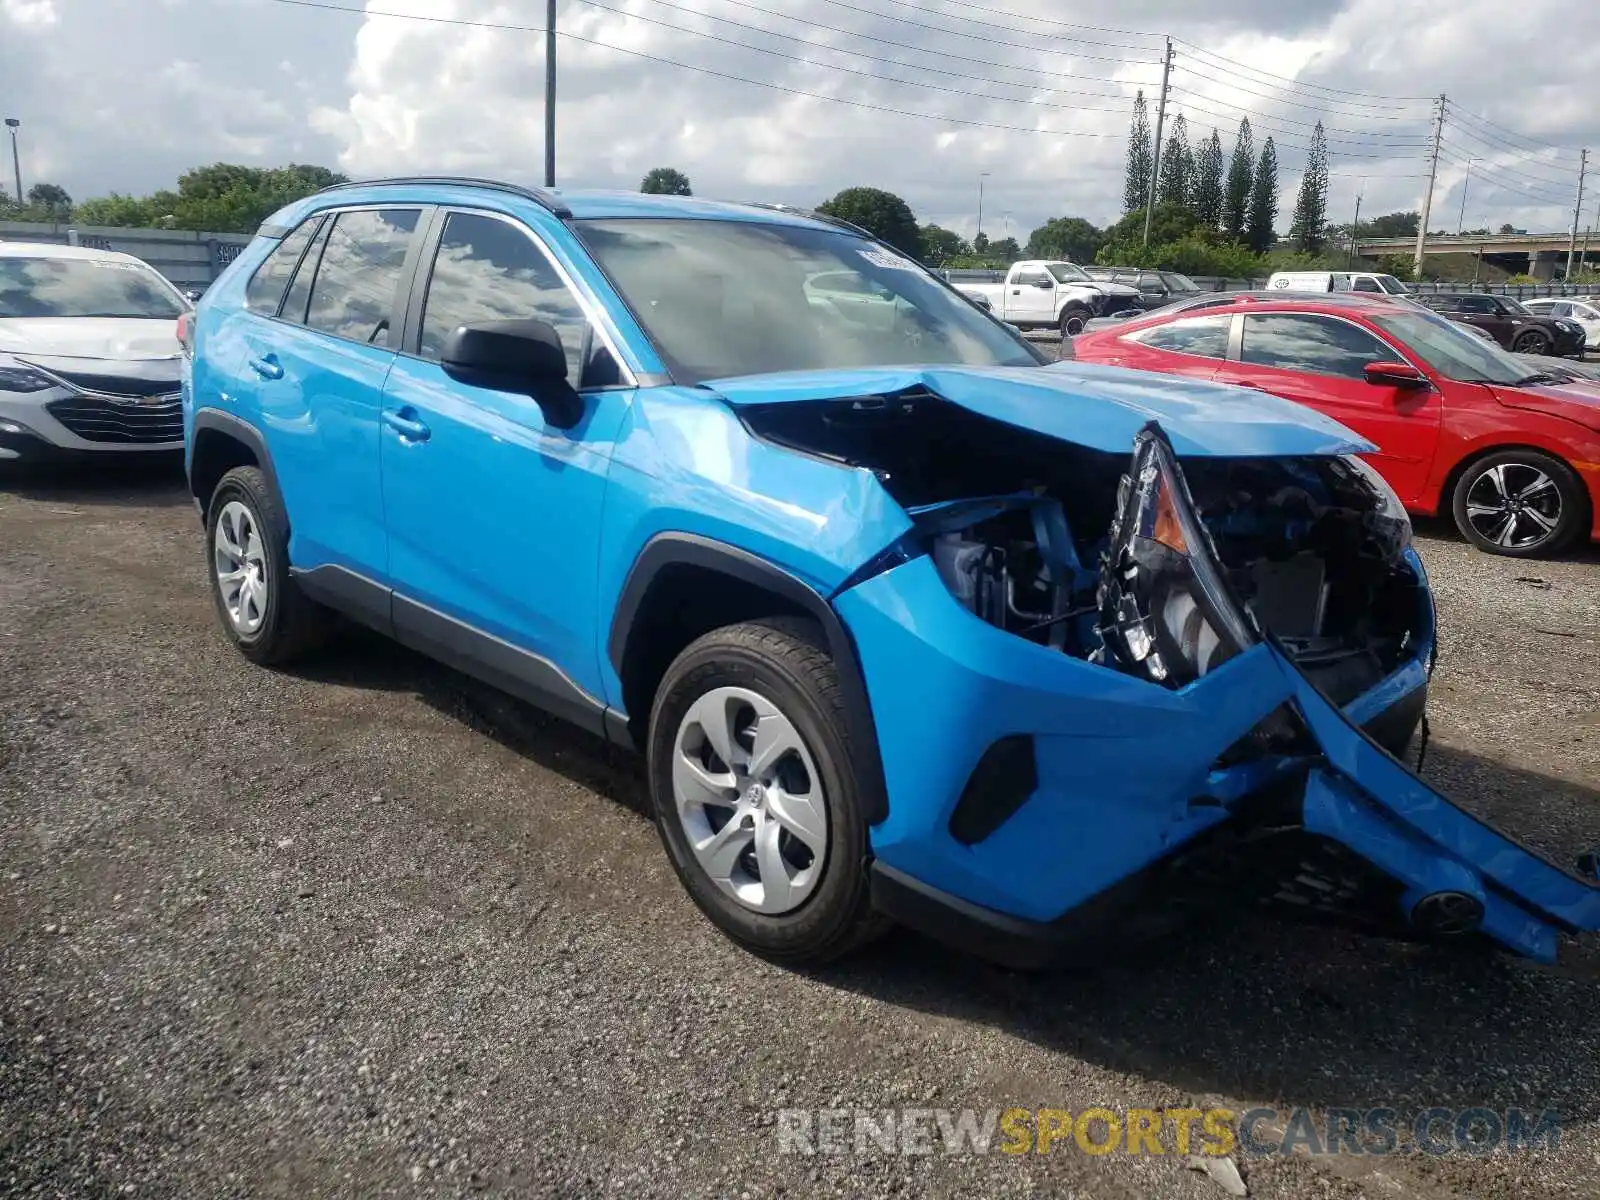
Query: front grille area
{"x":118,"y":385}
{"x":131,"y":421}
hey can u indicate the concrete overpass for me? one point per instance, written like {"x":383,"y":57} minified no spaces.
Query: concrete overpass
{"x":1542,"y":255}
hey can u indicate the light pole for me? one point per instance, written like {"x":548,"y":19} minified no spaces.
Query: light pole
{"x":1465,"y":183}
{"x":16,"y":162}
{"x":982,"y":175}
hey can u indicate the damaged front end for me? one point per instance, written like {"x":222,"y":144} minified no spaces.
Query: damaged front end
{"x":1114,"y":696}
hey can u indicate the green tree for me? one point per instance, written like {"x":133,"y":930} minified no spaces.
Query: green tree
{"x":1136,"y":186}
{"x":1241,"y":177}
{"x":665,"y":181}
{"x":882,"y":214}
{"x":980,"y":243}
{"x":1310,"y":228}
{"x":1207,"y":198}
{"x":1177,"y":166}
{"x":1069,"y":238}
{"x":222,"y":197}
{"x":1124,"y":241}
{"x":52,"y":200}
{"x":1005,"y":250}
{"x":1258,"y":234}
{"x":940,"y":245}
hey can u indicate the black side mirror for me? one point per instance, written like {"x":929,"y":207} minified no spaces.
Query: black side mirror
{"x":1395,"y":374}
{"x":523,"y":356}
{"x":192,"y":295}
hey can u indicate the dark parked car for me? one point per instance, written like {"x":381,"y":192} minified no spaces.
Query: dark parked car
{"x":1510,"y":324}
{"x":1156,"y":288}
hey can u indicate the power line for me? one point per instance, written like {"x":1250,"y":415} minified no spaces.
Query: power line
{"x":883,"y":41}
{"x":1297,"y":83}
{"x":860,"y":54}
{"x":1318,"y":104}
{"x":1005,"y":12}
{"x":1492,"y":179}
{"x":1407,"y":143}
{"x":670,"y":62}
{"x":1121,"y":108}
{"x":1464,"y":114}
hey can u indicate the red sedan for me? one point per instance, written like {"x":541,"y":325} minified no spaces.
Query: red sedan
{"x":1461,"y":426}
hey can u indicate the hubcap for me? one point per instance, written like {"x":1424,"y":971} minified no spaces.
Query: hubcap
{"x":241,"y":566}
{"x":1515,"y":505}
{"x":1074,"y":326}
{"x":750,"y":800}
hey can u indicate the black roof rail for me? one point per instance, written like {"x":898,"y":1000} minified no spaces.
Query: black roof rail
{"x":812,"y":214}
{"x":545,"y":199}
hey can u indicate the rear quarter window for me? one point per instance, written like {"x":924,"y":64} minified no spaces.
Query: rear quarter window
{"x":264,"y":293}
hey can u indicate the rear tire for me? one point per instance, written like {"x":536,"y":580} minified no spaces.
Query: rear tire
{"x":1520,"y":503}
{"x":262,"y":610}
{"x":771,"y":846}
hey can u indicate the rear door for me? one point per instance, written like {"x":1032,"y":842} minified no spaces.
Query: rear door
{"x":1191,"y":346}
{"x":317,"y":370}
{"x":1319,"y":361}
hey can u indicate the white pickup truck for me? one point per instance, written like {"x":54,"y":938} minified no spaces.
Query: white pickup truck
{"x":1039,"y":294}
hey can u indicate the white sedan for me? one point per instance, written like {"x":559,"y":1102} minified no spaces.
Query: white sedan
{"x":1585,"y":310}
{"x":89,"y":354}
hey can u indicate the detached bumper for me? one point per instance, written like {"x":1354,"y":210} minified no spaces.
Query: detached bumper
{"x":1040,"y":805}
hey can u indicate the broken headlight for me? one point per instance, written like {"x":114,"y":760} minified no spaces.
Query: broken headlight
{"x":1165,"y":611}
{"x":1390,"y":522}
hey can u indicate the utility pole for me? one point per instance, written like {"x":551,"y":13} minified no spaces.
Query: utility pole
{"x":550,"y":94}
{"x":1155,"y":157}
{"x":1577,"y":210}
{"x":1427,"y":201}
{"x":16,"y":162}
{"x":981,"y":176}
{"x":1465,"y":184}
{"x":1355,"y":224}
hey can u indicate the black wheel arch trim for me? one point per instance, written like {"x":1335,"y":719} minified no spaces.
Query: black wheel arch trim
{"x":239,"y":430}
{"x":684,"y":549}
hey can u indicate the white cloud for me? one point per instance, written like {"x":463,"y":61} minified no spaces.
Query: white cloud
{"x":260,"y":81}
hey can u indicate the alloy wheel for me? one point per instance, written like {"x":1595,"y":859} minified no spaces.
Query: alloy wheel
{"x":239,"y":559}
{"x":1514,"y":505}
{"x":1533,"y":342}
{"x":750,"y":800}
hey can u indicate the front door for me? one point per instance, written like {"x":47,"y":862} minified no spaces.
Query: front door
{"x":494,"y":514}
{"x":1320,"y":361}
{"x":1031,"y":298}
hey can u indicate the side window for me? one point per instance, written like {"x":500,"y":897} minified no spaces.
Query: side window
{"x":1029,"y":279}
{"x":1150,"y":282}
{"x":353,"y":296}
{"x":1364,"y":284}
{"x":1478,"y":304}
{"x":1586,"y":311}
{"x":490,"y":270}
{"x":1296,"y":342}
{"x":299,"y":294}
{"x":1205,"y":336}
{"x":265,"y":289}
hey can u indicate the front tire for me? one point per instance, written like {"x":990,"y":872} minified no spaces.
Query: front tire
{"x":755,"y":791}
{"x":1073,"y":319}
{"x":262,"y":610}
{"x":1534,"y":341}
{"x":1520,"y":503}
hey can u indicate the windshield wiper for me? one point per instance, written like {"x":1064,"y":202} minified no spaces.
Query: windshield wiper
{"x":1537,"y":377}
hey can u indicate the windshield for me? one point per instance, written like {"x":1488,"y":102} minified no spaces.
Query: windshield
{"x":80,"y":287}
{"x":1392,"y":285}
{"x":1451,"y":351}
{"x":1515,"y":306}
{"x":1179,"y":283}
{"x":1067,"y":273}
{"x":727,"y":298}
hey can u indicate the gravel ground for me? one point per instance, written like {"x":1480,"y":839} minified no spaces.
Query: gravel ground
{"x":365,"y":929}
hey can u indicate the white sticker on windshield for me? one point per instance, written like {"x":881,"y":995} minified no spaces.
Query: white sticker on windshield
{"x":882,"y":258}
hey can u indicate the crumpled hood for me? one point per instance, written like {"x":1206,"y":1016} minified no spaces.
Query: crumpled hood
{"x":1576,"y":401}
{"x":115,"y":339}
{"x":1102,"y":408}
{"x":1112,"y":289}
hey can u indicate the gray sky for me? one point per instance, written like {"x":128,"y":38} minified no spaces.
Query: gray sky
{"x":125,"y":94}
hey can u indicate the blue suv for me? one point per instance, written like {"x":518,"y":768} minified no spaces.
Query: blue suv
{"x":911,"y":623}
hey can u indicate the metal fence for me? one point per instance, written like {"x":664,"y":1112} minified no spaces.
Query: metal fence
{"x":190,"y":259}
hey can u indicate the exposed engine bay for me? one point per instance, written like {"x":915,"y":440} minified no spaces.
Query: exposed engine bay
{"x":1081,"y":551}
